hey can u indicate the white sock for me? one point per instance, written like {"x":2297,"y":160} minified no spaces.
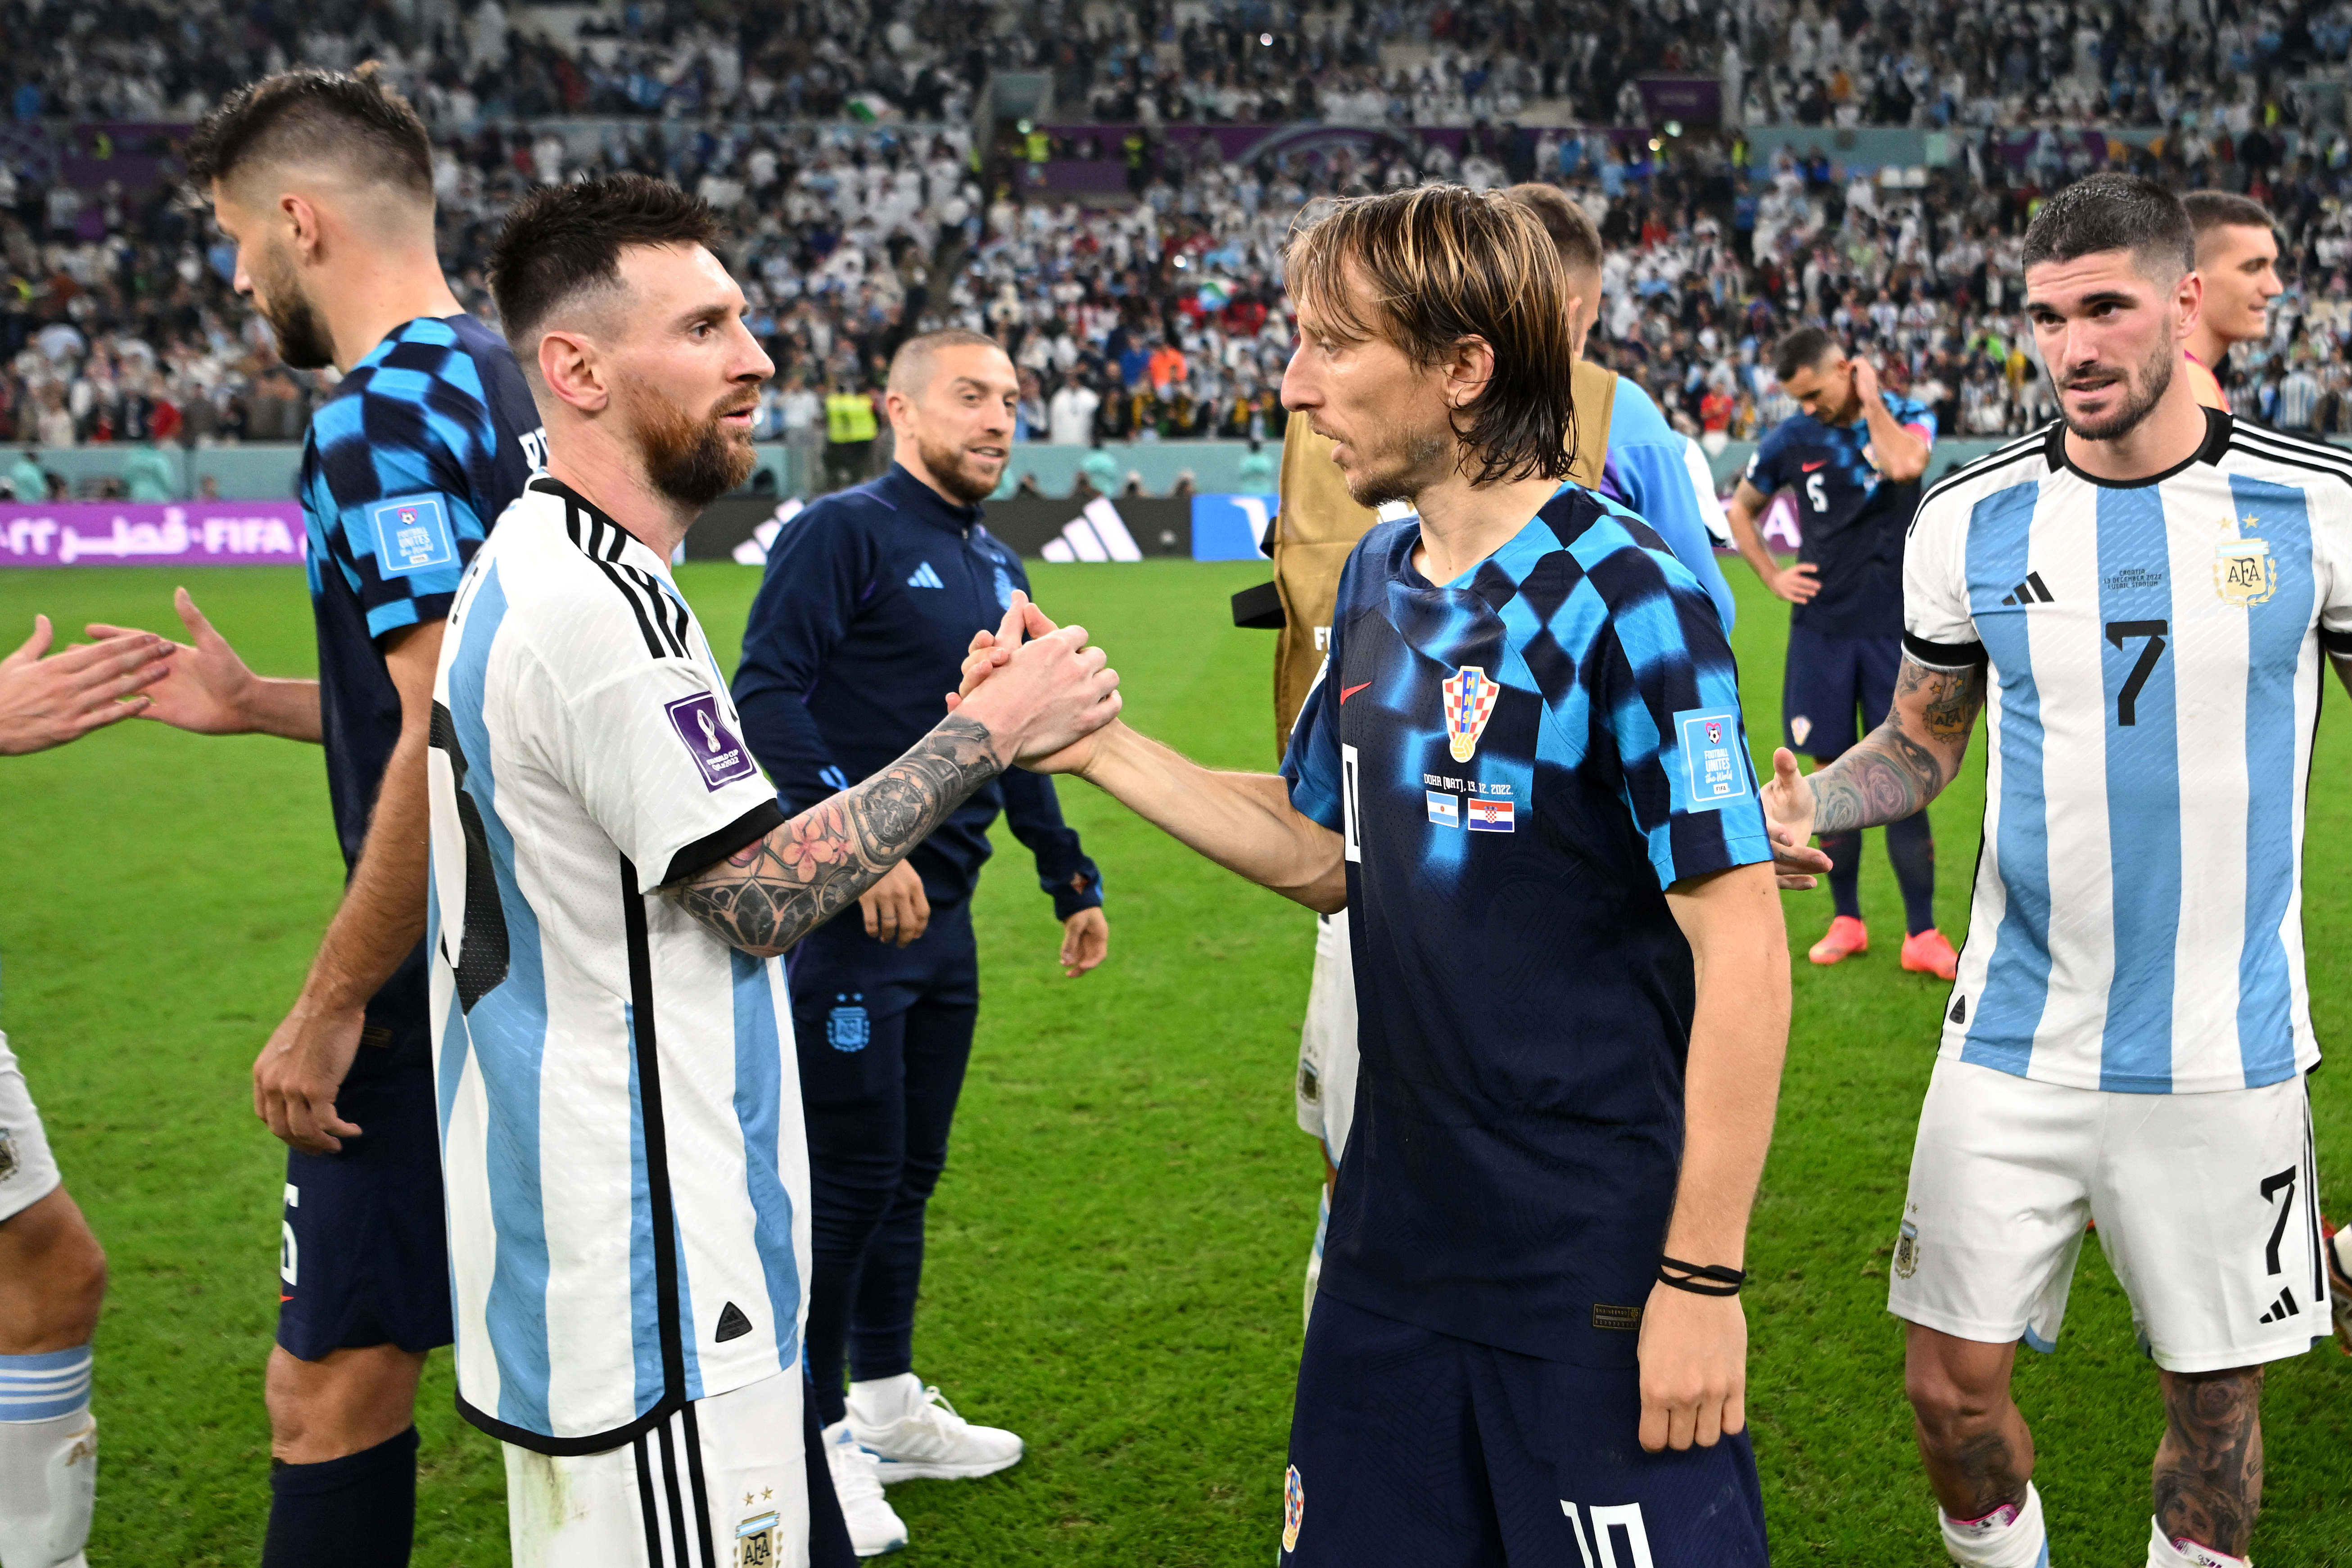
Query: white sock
{"x":886,"y":1399}
{"x":48,"y":1458}
{"x":2011,"y":1537}
{"x":2187,"y":1553}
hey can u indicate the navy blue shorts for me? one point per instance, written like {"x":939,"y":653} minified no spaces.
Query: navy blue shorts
{"x":1414,"y":1448}
{"x":1831,"y":679}
{"x":364,"y":1258}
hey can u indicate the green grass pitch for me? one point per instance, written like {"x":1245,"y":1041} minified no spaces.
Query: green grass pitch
{"x":1116,"y":1250}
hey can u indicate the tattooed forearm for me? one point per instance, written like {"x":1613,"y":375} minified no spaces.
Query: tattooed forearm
{"x":2208,"y":1468}
{"x":769,"y":894}
{"x":1906,"y":761}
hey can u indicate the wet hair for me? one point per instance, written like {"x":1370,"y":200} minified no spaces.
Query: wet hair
{"x":1800,"y":348}
{"x":1570,"y":229}
{"x":351,"y":119}
{"x":563,"y":241}
{"x":2113,"y":212}
{"x":1428,"y":267}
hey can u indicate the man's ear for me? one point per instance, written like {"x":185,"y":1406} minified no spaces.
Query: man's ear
{"x":2188,"y":303}
{"x":303,"y":228}
{"x":1469,"y":370}
{"x":571,"y":368}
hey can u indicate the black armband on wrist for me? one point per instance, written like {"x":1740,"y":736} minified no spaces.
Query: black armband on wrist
{"x":1709,"y":1280}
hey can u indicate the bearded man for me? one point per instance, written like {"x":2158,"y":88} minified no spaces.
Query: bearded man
{"x":871,"y":597}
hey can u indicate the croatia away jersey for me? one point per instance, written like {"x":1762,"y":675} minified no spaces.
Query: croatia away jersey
{"x":2155,"y":655}
{"x":622,"y":1139}
{"x":1521,"y":761}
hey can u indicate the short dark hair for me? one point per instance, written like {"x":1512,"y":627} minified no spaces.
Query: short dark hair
{"x":916,"y":352}
{"x":1443,"y":263}
{"x":352,"y":117}
{"x":1570,"y":228}
{"x":562,"y":241}
{"x":2112,"y":212}
{"x":2219,"y":209}
{"x":1797,"y":349}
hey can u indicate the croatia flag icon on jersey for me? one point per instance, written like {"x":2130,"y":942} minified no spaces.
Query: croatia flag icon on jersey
{"x":1469,"y":703}
{"x":1487,"y":816}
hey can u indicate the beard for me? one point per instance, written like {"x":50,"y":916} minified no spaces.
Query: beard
{"x":694,"y":462}
{"x":303,"y":341}
{"x":1392,"y":466}
{"x":2142,"y":391}
{"x":956,"y":472}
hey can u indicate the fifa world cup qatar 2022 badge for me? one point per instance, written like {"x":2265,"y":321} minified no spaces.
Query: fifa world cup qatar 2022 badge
{"x":2245,"y":573}
{"x":1294,"y":1507}
{"x":755,"y":1541}
{"x":1469,"y":703}
{"x":722,"y":758}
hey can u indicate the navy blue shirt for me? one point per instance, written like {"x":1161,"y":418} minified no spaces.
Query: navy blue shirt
{"x":405,"y":468}
{"x":1520,"y":762}
{"x":1852,"y":521}
{"x":858,"y":632}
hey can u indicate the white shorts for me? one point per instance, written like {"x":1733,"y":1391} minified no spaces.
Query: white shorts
{"x":27,"y":1173}
{"x":2204,"y":1203}
{"x":1326,"y":1041}
{"x":721,"y":1482}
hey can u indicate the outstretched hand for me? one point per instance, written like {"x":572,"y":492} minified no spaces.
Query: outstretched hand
{"x":47,"y":701}
{"x":206,"y":690}
{"x":1788,"y":806}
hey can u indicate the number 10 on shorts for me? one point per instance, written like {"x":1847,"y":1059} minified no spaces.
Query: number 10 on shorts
{"x":1608,"y":1523}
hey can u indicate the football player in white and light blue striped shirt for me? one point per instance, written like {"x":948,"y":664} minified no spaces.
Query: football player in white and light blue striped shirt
{"x":2141,"y":599}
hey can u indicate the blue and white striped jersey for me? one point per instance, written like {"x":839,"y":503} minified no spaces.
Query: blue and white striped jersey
{"x":2155,"y":660}
{"x":621,"y":1130}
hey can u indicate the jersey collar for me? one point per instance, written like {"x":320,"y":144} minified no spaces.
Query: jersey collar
{"x":2218,"y":427}
{"x":594,"y":531}
{"x":911,"y":497}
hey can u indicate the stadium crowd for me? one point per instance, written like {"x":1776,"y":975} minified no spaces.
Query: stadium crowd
{"x":1160,"y":319}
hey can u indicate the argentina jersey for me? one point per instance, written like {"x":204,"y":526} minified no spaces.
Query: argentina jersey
{"x":2154,"y":654}
{"x":1520,"y":762}
{"x":621,"y":1137}
{"x":404,"y":466}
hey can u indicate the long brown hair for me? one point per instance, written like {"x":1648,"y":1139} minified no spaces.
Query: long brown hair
{"x":1426,"y":269}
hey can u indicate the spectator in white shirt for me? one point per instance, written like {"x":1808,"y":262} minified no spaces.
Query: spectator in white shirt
{"x":1070,"y":419}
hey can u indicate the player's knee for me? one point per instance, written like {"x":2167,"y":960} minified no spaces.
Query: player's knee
{"x":1947,"y":1401}
{"x":77,"y":1278}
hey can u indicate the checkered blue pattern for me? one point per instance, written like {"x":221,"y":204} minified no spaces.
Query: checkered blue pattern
{"x":1851,"y":520}
{"x":412,"y":420}
{"x":1524,"y":993}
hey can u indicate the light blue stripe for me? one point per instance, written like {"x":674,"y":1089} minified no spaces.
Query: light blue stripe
{"x":506,"y":1031}
{"x":2276,"y":632}
{"x":644,"y":1299}
{"x":2017,"y":981}
{"x":758,"y":1091}
{"x":43,"y":1385}
{"x":2143,"y":793}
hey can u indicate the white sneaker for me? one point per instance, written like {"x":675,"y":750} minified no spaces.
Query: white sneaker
{"x":873,"y":1526}
{"x":917,"y":1435}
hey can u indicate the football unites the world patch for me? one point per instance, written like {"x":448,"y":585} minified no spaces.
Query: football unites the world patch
{"x":1469,"y":703}
{"x":412,"y":535}
{"x":1294,"y":1507}
{"x":1713,"y":772}
{"x":723,"y":759}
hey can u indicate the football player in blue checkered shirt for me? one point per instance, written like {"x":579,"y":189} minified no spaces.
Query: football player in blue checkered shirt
{"x":1524,"y":775}
{"x":324,"y":181}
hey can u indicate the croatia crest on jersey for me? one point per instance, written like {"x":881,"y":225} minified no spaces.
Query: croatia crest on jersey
{"x":1469,"y":703}
{"x":1294,"y":1509}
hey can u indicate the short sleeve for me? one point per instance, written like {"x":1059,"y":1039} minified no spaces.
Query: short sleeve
{"x":656,"y":756}
{"x":1763,"y":470}
{"x":391,"y":499}
{"x":1939,"y":631}
{"x":1310,"y":764}
{"x":1918,"y":419}
{"x":1668,"y":693}
{"x":2331,"y":533}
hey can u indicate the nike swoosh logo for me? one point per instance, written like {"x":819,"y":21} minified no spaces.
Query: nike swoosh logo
{"x":1809,"y":467}
{"x":1348,"y":691}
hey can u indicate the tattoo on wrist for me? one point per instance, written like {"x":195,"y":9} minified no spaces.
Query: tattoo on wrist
{"x":773,"y":892}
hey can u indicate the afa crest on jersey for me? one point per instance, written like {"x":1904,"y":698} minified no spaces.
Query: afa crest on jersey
{"x":1469,"y":703}
{"x":8,"y":1160}
{"x":2243,"y":572}
{"x":755,"y":1541}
